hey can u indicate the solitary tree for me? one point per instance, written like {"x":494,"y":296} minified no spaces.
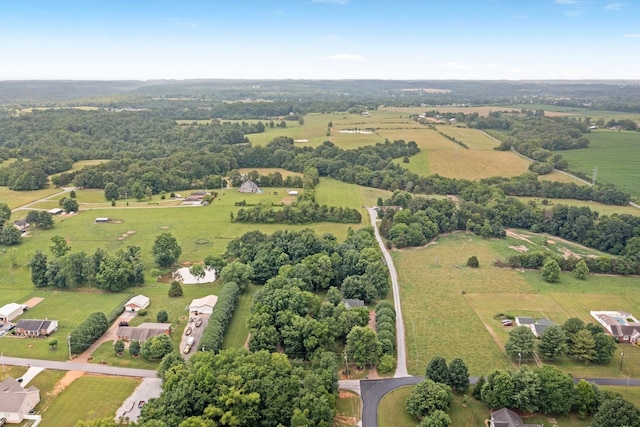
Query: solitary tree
{"x":118,"y":347}
{"x":473,"y":262}
{"x":197,"y":271}
{"x":111,"y":191}
{"x":553,"y":343}
{"x":581,"y":270}
{"x":134,"y":348}
{"x":59,"y":247}
{"x":176,"y":289}
{"x":53,"y":343}
{"x":458,"y":375}
{"x":156,"y":347}
{"x":166,"y":250}
{"x":162,"y":316}
{"x":437,"y":418}
{"x":550,"y":271}
{"x":520,"y":344}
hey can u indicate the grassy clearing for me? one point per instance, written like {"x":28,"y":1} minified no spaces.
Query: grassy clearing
{"x":238,"y":331}
{"x":107,"y":394}
{"x":16,"y":199}
{"x":391,"y":410}
{"x":46,"y":381}
{"x":485,"y":109}
{"x":616,"y":154}
{"x":594,"y":206}
{"x":439,"y":293}
{"x":105,"y":354}
{"x":266,"y":171}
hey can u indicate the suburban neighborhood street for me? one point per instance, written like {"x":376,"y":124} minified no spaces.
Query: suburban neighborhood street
{"x":93,"y":368}
{"x":401,"y":370}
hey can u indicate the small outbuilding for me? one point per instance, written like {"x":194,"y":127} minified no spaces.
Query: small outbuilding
{"x":137,"y":303}
{"x":203,"y":305}
{"x":353,"y":303}
{"x":10,"y":311}
{"x":16,"y":401}
{"x":21,"y":225}
{"x":36,"y":327}
{"x":55,"y":211}
{"x":103,"y":219}
{"x":507,"y":418}
{"x":293,"y":192}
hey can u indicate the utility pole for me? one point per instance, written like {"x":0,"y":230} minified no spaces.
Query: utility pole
{"x":346,"y":364}
{"x":69,"y":344}
{"x":621,"y":359}
{"x":519,"y":360}
{"x":594,"y":175}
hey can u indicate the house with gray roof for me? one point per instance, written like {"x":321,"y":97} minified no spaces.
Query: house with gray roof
{"x":353,"y":303}
{"x":36,"y":327}
{"x":249,"y":187}
{"x":143,"y":332}
{"x":16,"y":401}
{"x":507,"y":418}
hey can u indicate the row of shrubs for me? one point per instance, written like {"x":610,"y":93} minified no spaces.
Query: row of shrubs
{"x":88,"y":332}
{"x":454,"y":139}
{"x":386,"y":330}
{"x":213,"y":334}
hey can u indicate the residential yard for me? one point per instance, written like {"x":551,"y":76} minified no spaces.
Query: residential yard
{"x":238,"y":331}
{"x":348,"y":410}
{"x":16,"y":199}
{"x":105,"y":394}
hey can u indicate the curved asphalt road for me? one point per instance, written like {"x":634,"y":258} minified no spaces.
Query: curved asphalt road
{"x":401,"y":370}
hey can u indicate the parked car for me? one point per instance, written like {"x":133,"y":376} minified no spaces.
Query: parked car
{"x":123,"y":323}
{"x":2,"y":421}
{"x":187,"y":349}
{"x":507,"y":322}
{"x":198,"y":323}
{"x":188,"y":331}
{"x":141,"y":404}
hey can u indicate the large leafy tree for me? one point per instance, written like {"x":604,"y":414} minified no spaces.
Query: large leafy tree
{"x":605,"y":348}
{"x":520,"y":345}
{"x":166,"y":250}
{"x":427,"y":397}
{"x":550,"y":271}
{"x":497,"y":391}
{"x":617,"y":412}
{"x":557,"y":390}
{"x":458,"y":375}
{"x":586,"y":398}
{"x":581,"y":270}
{"x":553,"y":343}
{"x":437,"y":370}
{"x":38,"y":266}
{"x":60,"y":247}
{"x":155,"y":348}
{"x":237,"y":272}
{"x":363,"y":346}
{"x":526,"y":390}
{"x":437,"y":418}
{"x":10,"y":235}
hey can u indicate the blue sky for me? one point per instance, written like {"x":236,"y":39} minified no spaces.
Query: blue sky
{"x":320,"y":39}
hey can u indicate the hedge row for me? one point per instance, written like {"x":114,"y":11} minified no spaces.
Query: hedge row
{"x":213,"y":334}
{"x":601,"y":264}
{"x":386,"y":327}
{"x":88,"y":332}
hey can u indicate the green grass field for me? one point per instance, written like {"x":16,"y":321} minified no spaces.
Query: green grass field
{"x":238,"y":331}
{"x":601,"y":208}
{"x":347,"y":409}
{"x":449,"y":309}
{"x":106,"y":395}
{"x":616,"y":154}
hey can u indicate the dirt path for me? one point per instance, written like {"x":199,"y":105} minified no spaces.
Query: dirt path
{"x":33,"y":302}
{"x":68,"y":378}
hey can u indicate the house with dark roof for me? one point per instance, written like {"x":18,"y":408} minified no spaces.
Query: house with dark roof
{"x":143,"y":332}
{"x":537,"y":326}
{"x":21,"y":224}
{"x":507,"y":418}
{"x":623,"y":326}
{"x":36,"y":327}
{"x":15,"y":401}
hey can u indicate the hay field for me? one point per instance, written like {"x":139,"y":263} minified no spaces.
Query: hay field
{"x":16,"y":199}
{"x":482,"y":110}
{"x":266,"y":171}
{"x":594,"y":206}
{"x":616,"y":154}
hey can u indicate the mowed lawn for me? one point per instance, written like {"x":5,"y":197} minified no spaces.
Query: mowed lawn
{"x":15,"y":199}
{"x":238,"y":330}
{"x":434,"y":284}
{"x":616,"y":154}
{"x":601,"y":208}
{"x":105,"y":395}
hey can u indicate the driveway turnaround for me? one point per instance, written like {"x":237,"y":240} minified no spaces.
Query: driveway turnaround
{"x":148,"y":389}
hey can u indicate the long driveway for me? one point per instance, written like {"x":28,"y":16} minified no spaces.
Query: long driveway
{"x":93,"y":368}
{"x":401,"y":370}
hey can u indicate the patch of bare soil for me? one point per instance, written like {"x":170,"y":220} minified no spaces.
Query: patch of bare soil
{"x":551,"y":242}
{"x":33,"y":302}
{"x":568,"y":253}
{"x":68,"y":378}
{"x":287,"y":200}
{"x":515,"y":235}
{"x":521,"y":248}
{"x":372,"y":320}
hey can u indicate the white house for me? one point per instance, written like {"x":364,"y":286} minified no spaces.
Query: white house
{"x":137,"y":303}
{"x":203,"y":305}
{"x":15,"y":401}
{"x":10,"y":311}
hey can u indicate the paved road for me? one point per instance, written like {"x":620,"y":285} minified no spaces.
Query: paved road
{"x":401,"y":370}
{"x":75,"y":366}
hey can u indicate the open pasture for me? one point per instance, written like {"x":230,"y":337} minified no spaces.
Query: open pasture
{"x":15,"y":199}
{"x":482,"y":110}
{"x":106,"y":396}
{"x":449,"y":308}
{"x":266,"y":171}
{"x":616,"y":154}
{"x":601,"y":208}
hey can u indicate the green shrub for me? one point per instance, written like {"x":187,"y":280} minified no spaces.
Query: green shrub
{"x":387,"y":364}
{"x":386,"y":311}
{"x":88,"y":332}
{"x":142,"y":312}
{"x":213,"y":334}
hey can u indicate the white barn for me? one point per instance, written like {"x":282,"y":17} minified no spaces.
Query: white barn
{"x":10,"y":311}
{"x":137,"y":303}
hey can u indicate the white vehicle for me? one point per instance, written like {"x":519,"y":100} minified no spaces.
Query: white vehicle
{"x":191,"y":341}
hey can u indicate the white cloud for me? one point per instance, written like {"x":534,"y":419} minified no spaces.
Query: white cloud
{"x":345,"y":57}
{"x":632,"y":36}
{"x":340,"y":2}
{"x":615,"y":6}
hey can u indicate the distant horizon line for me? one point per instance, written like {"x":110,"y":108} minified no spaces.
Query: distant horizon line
{"x":324,"y":79}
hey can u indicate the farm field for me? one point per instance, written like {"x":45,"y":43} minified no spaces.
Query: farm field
{"x":439,"y":293}
{"x":15,"y":199}
{"x":482,"y":110}
{"x":107,"y":394}
{"x":601,"y":208}
{"x":616,"y":154}
{"x":266,"y":171}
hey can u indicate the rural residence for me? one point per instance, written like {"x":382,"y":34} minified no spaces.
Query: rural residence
{"x":143,"y":332}
{"x":249,"y":187}
{"x":203,"y":305}
{"x":137,"y":303}
{"x":21,"y":225}
{"x":15,"y":401}
{"x":10,"y":311}
{"x":353,"y":303}
{"x":621,"y":325}
{"x":36,"y":327}
{"x":507,"y":418}
{"x":537,"y":326}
